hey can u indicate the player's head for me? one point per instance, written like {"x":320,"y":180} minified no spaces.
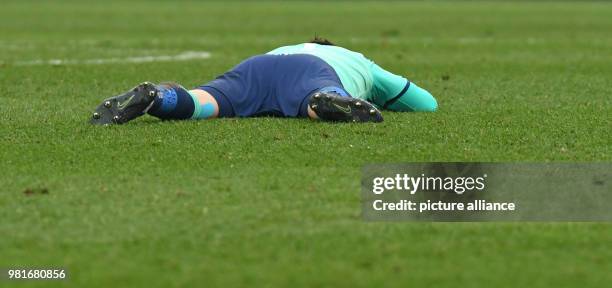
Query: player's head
{"x":321,"y":41}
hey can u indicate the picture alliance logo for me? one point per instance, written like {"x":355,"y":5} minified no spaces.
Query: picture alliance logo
{"x":412,"y":184}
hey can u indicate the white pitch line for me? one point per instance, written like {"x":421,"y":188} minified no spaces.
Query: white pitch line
{"x":185,"y":56}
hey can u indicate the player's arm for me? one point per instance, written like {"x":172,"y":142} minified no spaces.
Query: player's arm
{"x":396,"y":93}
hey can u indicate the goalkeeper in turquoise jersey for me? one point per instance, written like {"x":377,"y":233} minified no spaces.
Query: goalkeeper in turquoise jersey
{"x":317,"y":80}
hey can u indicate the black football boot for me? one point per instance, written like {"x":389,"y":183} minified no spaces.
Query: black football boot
{"x":125,"y":107}
{"x":330,"y":106}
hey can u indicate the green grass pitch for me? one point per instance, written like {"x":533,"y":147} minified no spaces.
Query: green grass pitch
{"x":276,"y":202}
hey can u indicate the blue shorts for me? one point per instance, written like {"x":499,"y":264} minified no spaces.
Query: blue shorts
{"x":271,"y":85}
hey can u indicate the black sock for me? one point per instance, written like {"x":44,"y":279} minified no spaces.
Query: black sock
{"x":172,"y":102}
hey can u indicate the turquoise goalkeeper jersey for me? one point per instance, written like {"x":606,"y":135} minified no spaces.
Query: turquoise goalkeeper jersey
{"x":363,"y":79}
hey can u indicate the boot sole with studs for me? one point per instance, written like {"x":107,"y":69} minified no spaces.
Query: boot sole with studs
{"x":333,"y":107}
{"x":125,"y":107}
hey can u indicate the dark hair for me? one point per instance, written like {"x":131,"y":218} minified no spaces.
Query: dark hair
{"x":321,"y":41}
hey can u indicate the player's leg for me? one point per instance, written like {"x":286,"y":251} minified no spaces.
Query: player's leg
{"x":165,"y":101}
{"x":176,"y":103}
{"x":304,"y":86}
